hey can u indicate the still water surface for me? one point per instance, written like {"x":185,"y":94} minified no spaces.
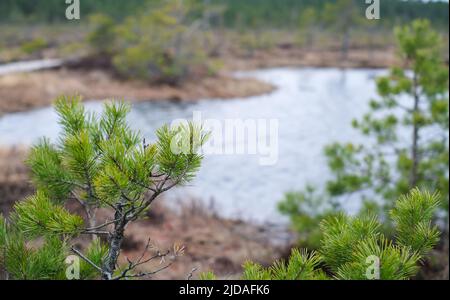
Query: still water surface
{"x":314,"y":107}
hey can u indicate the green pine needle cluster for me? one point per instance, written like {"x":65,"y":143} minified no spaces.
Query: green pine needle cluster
{"x":22,"y":259}
{"x":413,"y":221}
{"x":95,"y":253}
{"x":38,"y":216}
{"x":300,"y":266}
{"x":354,"y":248}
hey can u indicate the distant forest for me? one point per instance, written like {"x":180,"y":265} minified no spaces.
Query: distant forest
{"x":275,"y":12}
{"x":237,"y":14}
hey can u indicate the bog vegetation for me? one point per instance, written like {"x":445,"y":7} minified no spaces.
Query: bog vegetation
{"x":400,"y":173}
{"x":169,"y":41}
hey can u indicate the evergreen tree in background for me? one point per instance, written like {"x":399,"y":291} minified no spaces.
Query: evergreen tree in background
{"x":98,"y":162}
{"x":407,"y":147}
{"x":343,"y":16}
{"x":163,"y":43}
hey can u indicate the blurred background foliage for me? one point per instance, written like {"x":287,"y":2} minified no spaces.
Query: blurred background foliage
{"x":243,"y":14}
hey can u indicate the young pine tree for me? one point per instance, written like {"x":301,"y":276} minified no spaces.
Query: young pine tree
{"x":99,"y":162}
{"x":355,"y":247}
{"x":407,"y":130}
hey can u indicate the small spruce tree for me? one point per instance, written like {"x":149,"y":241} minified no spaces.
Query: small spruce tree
{"x":98,"y":161}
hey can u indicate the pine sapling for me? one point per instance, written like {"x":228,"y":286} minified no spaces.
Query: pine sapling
{"x":99,"y":162}
{"x":355,"y":247}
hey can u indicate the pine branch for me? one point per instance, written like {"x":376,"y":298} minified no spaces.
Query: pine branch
{"x":86,"y":259}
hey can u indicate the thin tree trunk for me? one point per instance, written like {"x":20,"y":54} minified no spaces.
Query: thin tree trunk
{"x":93,"y":221}
{"x":415,"y":138}
{"x":115,"y":243}
{"x":345,"y":45}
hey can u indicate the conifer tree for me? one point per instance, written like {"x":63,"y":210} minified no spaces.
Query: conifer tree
{"x":98,"y":161}
{"x":407,"y":139}
{"x":355,"y":248}
{"x":163,"y":43}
